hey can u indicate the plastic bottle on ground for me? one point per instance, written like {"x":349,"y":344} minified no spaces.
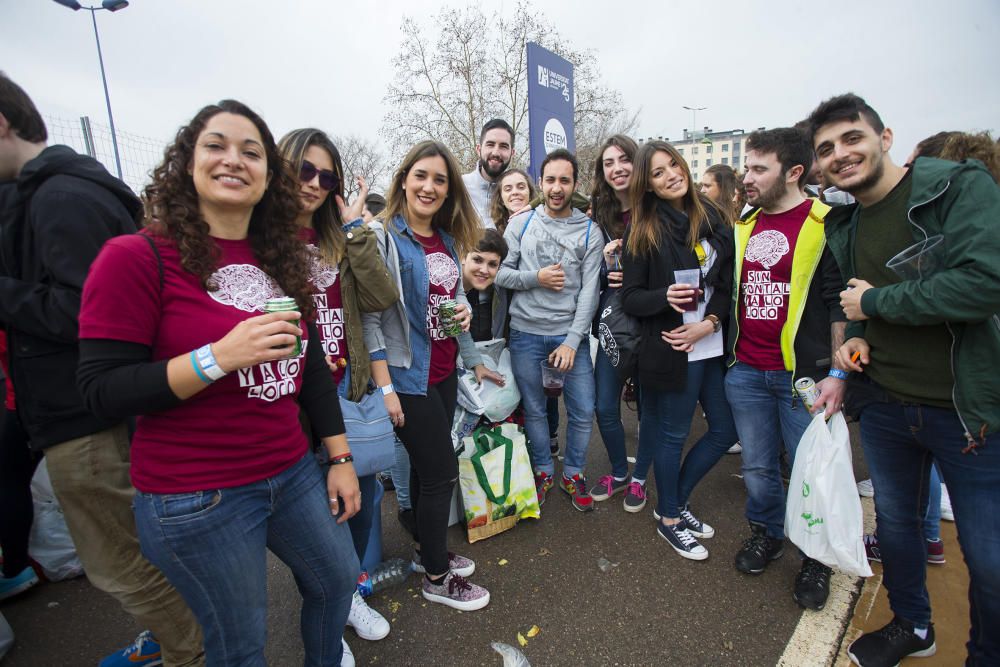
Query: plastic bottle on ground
{"x":386,"y":575}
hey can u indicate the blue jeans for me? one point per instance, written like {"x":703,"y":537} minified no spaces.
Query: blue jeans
{"x":212,"y":545}
{"x":932,"y":518}
{"x":401,"y":476}
{"x":609,"y":421}
{"x":900,"y":442}
{"x":667,"y":422}
{"x":527,"y":351}
{"x":766,"y":411}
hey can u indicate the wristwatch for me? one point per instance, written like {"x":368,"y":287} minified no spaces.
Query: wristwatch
{"x":387,"y":389}
{"x":716,"y":323}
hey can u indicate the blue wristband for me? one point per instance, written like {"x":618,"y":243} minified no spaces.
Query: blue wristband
{"x":197,"y":369}
{"x":209,"y":366}
{"x":837,"y":373}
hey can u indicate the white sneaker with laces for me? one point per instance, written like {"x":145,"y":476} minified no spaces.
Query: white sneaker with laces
{"x":347,"y":659}
{"x":946,"y":512}
{"x":368,"y":623}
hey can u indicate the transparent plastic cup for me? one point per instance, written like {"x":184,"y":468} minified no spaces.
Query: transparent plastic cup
{"x":552,"y":379}
{"x":920,"y":260}
{"x":689,"y":277}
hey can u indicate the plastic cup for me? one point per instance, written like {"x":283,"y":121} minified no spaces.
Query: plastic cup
{"x":552,"y":379}
{"x":689,"y":277}
{"x":920,"y":260}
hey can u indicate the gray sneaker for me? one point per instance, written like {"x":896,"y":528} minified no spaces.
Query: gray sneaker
{"x":607,"y":486}
{"x":455,"y":592}
{"x":635,"y":497}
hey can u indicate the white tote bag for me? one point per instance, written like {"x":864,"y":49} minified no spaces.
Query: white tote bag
{"x":823,"y":515}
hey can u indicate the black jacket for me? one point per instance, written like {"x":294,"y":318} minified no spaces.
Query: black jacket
{"x":65,"y":207}
{"x":644,"y":295}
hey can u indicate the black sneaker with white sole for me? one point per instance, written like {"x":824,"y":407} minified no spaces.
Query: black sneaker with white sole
{"x":697,"y":527}
{"x":681,"y":539}
{"x":888,"y":645}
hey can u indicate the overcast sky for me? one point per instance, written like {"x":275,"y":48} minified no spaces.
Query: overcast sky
{"x":925,"y":65}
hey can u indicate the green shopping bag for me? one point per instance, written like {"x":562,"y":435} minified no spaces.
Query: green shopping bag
{"x":496,"y":481}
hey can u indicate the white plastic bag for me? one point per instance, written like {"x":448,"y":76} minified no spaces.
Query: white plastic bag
{"x":470,"y":393}
{"x":499,"y":402}
{"x":823,"y":515}
{"x":50,"y":543}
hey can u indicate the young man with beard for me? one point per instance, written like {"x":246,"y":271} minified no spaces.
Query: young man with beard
{"x":553,"y":268}
{"x":787,"y":323}
{"x":928,"y":347}
{"x":495,"y":149}
{"x":65,"y":208}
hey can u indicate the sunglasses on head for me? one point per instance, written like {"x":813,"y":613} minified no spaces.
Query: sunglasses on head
{"x":327,"y":179}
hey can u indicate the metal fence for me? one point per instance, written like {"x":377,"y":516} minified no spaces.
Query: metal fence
{"x":139,"y":154}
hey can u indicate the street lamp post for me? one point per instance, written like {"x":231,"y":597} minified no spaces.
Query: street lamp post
{"x":694,"y":116}
{"x":111,"y":6}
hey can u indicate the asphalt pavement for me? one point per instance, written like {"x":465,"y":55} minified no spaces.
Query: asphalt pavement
{"x":651,"y":607}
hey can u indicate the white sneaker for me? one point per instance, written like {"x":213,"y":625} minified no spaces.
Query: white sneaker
{"x":735,"y":449}
{"x":347,"y":659}
{"x":368,"y":623}
{"x":946,"y":513}
{"x":865,"y":489}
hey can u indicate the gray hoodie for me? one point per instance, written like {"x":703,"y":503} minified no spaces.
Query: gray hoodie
{"x":538,"y":310}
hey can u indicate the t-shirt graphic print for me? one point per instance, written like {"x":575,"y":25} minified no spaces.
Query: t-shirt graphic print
{"x":765,"y":286}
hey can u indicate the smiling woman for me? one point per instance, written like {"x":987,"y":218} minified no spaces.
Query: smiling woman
{"x":513,"y":194}
{"x":173,"y":328}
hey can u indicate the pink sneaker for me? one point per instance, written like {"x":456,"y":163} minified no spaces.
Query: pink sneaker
{"x":455,"y":592}
{"x":935,"y":552}
{"x":635,"y":497}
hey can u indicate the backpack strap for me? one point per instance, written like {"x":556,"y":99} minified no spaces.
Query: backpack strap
{"x":525,"y":228}
{"x":159,"y":258}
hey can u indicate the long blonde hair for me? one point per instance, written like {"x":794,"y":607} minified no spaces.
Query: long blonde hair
{"x":646,"y":230}
{"x":457,"y":216}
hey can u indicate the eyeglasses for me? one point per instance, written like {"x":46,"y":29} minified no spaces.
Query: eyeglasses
{"x":327,"y":178}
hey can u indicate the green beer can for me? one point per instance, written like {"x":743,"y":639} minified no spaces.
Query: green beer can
{"x":446,"y":312}
{"x":283,"y":304}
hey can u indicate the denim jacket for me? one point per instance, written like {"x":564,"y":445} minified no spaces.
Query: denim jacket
{"x":399,"y":333}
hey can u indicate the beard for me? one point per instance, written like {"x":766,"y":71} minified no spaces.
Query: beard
{"x":869,"y":181}
{"x":493,"y":173}
{"x":766,"y":199}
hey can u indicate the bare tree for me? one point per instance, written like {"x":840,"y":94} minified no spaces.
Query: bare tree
{"x":474,"y":68}
{"x":362,"y":157}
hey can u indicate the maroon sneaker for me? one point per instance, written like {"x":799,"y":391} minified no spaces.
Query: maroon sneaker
{"x":935,"y":552}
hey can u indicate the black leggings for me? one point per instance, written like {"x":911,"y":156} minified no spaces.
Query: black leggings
{"x":426,"y":434}
{"x":17,"y":466}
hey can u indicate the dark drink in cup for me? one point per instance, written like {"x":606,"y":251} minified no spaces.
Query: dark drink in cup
{"x":552,"y":379}
{"x":690,"y":277}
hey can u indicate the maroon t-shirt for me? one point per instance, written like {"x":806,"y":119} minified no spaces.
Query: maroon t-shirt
{"x":442,"y":274}
{"x":240,"y":429}
{"x":765,"y":284}
{"x":329,"y":306}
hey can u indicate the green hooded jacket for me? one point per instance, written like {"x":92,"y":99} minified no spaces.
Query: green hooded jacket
{"x":962,"y":202}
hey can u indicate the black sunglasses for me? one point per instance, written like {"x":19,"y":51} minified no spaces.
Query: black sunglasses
{"x":327,"y":179}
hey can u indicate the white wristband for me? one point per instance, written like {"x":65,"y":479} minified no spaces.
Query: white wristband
{"x":387,"y":389}
{"x":208,"y":364}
